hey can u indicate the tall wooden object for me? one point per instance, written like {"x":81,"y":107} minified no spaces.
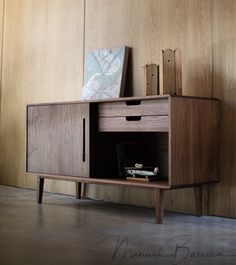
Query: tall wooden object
{"x":76,"y":141}
{"x":171,"y":72}
{"x":151,"y":79}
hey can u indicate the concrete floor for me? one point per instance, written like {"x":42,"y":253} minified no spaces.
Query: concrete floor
{"x":67,"y":231}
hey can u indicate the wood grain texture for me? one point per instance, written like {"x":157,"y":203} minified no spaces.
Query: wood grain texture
{"x":159,"y":205}
{"x":55,"y":139}
{"x":134,"y":108}
{"x":151,"y":26}
{"x":168,"y":70}
{"x":223,"y":195}
{"x":151,"y":79}
{"x":134,"y":124}
{"x":58,"y":139}
{"x":42,"y":62}
{"x":1,"y":44}
{"x":194,"y":140}
{"x":178,"y":72}
{"x":111,"y":182}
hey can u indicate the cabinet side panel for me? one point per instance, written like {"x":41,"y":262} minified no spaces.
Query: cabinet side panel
{"x":194,"y":140}
{"x":57,"y":139}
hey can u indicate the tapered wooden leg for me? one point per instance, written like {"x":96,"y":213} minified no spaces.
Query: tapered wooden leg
{"x":159,"y":205}
{"x":198,"y":199}
{"x":206,"y":200}
{"x":83,"y":190}
{"x":78,"y":190}
{"x":40,"y":183}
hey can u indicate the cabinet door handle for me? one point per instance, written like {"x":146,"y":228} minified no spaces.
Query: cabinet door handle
{"x":132,"y":102}
{"x":133,"y":118}
{"x":83,"y":155}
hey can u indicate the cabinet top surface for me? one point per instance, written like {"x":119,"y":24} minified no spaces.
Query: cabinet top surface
{"x":120,"y":99}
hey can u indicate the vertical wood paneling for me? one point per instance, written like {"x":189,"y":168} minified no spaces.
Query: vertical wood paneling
{"x":42,"y":61}
{"x":224,"y":84}
{"x":1,"y":55}
{"x":150,"y":26}
{"x":1,"y":46}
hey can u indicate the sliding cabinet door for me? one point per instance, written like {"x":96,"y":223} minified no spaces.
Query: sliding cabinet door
{"x":58,"y":139}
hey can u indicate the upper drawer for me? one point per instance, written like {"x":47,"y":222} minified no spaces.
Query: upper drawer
{"x":134,"y":124}
{"x":147,"y":107}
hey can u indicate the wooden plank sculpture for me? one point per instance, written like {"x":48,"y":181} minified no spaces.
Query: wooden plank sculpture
{"x":171,"y":72}
{"x":151,"y":79}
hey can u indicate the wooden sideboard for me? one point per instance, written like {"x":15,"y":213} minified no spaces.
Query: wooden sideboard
{"x":77,"y":141}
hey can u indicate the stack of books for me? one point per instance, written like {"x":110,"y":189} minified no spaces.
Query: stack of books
{"x":141,"y":173}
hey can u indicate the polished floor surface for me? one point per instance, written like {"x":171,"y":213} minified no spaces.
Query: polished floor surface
{"x":67,"y":231}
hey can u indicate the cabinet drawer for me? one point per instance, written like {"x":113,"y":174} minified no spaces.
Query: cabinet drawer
{"x":134,"y":108}
{"x":134,"y":124}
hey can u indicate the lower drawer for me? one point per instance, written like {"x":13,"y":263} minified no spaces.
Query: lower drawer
{"x":134,"y":124}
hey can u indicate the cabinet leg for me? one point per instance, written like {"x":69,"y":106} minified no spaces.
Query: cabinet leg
{"x":206,"y":200}
{"x":40,"y":184}
{"x":83,"y":190}
{"x":78,"y":190}
{"x":198,"y":199}
{"x":159,"y":205}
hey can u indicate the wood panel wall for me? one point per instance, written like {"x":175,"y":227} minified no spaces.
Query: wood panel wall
{"x":42,"y":62}
{"x":1,"y":44}
{"x":223,"y":195}
{"x":44,"y":47}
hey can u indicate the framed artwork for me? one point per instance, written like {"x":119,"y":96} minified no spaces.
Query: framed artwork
{"x":105,"y":73}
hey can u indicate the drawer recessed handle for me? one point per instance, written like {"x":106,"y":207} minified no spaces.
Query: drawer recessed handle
{"x":133,"y":118}
{"x":133,"y":102}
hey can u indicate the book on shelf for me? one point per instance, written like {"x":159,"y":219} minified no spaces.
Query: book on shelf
{"x":143,"y":178}
{"x":141,"y":173}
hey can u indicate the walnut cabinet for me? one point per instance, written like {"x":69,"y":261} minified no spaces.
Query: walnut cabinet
{"x":77,"y":141}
